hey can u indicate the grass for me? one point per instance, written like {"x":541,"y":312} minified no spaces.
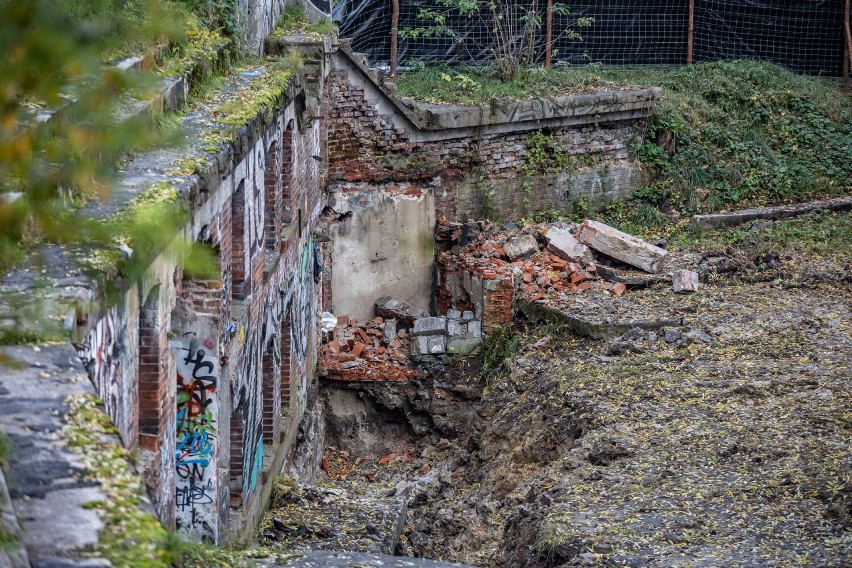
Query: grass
{"x":744,"y":133}
{"x":134,"y":27}
{"x":479,"y":85}
{"x":5,"y":448}
{"x":295,"y":20}
{"x":131,"y":536}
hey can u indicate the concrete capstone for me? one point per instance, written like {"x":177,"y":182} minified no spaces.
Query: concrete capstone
{"x":430,"y":326}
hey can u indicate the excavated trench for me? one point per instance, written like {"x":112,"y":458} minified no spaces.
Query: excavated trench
{"x":722,"y":439}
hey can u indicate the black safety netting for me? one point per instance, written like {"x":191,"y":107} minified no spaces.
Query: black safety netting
{"x":805,"y":36}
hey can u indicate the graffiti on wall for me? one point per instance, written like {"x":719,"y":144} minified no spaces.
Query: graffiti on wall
{"x":196,"y":440}
{"x":251,"y":397}
{"x":110,"y":355}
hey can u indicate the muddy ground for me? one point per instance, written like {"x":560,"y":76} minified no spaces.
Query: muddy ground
{"x":724,"y":441}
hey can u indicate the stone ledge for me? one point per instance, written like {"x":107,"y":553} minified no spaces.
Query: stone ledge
{"x":605,"y":106}
{"x":46,"y":481}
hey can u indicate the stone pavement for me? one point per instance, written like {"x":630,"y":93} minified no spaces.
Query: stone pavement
{"x":44,"y":476}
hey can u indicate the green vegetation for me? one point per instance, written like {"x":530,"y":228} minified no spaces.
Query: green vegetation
{"x":826,"y":234}
{"x":126,"y":27}
{"x":295,"y":20}
{"x":131,"y":536}
{"x":725,"y":135}
{"x":479,"y":85}
{"x":200,"y":43}
{"x":5,"y":448}
{"x":499,"y":344}
{"x":47,"y":168}
{"x":740,"y":134}
{"x":216,"y":15}
{"x":514,"y":29}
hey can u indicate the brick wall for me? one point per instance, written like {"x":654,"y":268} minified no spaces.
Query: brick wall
{"x":466,"y":284}
{"x":479,"y":175}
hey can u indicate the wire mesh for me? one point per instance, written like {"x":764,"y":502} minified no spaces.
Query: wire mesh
{"x":805,"y":36}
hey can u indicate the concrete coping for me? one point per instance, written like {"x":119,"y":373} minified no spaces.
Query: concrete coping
{"x":600,"y":106}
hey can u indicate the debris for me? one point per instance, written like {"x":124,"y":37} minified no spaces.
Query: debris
{"x":671,"y":335}
{"x":521,"y":247}
{"x":684,"y":281}
{"x":698,"y":335}
{"x":621,"y":246}
{"x":430,"y":326}
{"x":563,"y":244}
{"x":391,"y":308}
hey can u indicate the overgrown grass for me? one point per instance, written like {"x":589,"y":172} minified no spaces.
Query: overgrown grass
{"x":478,"y":85}
{"x":295,"y":19}
{"x":500,"y":343}
{"x":744,"y":133}
{"x":820,"y":233}
{"x":725,"y":135}
{"x":127,"y":27}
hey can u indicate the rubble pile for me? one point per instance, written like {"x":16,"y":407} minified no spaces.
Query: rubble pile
{"x":375,"y":350}
{"x":459,"y":333}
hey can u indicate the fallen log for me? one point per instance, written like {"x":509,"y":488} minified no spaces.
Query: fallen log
{"x":719,"y":220}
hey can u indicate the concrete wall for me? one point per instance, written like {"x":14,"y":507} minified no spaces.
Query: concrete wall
{"x":385,"y":249}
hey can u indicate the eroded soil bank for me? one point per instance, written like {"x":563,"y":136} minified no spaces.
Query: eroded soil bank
{"x":725,"y":441}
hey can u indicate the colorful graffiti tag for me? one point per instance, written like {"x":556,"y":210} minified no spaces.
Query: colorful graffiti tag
{"x":196,"y":443}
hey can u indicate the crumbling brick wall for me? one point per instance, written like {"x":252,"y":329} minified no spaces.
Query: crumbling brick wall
{"x":478,"y":174}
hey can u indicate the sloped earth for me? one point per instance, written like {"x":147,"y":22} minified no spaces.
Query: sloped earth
{"x":723,"y":442}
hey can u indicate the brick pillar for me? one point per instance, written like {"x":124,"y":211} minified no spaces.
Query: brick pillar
{"x":156,"y":408}
{"x":238,"y":243}
{"x":153,"y":386}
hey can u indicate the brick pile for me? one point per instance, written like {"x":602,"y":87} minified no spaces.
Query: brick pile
{"x":479,"y":250}
{"x":374,"y":350}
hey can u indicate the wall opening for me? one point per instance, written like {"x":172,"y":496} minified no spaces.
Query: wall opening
{"x":287,"y":174}
{"x":238,"y":243}
{"x":271,"y":387}
{"x":272,"y":199}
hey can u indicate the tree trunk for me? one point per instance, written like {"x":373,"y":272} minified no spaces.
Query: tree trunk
{"x":691,"y":32}
{"x":394,"y":55}
{"x":548,"y":48}
{"x":847,"y":56}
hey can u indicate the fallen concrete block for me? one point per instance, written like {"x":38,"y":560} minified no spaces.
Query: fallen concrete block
{"x":621,"y":246}
{"x":563,"y":244}
{"x":463,"y":346}
{"x":454,"y":314}
{"x":454,"y":328}
{"x":467,"y":315}
{"x":420,"y":346}
{"x":391,"y":308}
{"x":474,"y":329}
{"x":430,"y":326}
{"x":521,"y":247}
{"x":437,"y":344}
{"x":684,"y":281}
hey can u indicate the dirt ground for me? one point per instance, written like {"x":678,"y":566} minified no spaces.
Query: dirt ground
{"x":721,"y":442}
